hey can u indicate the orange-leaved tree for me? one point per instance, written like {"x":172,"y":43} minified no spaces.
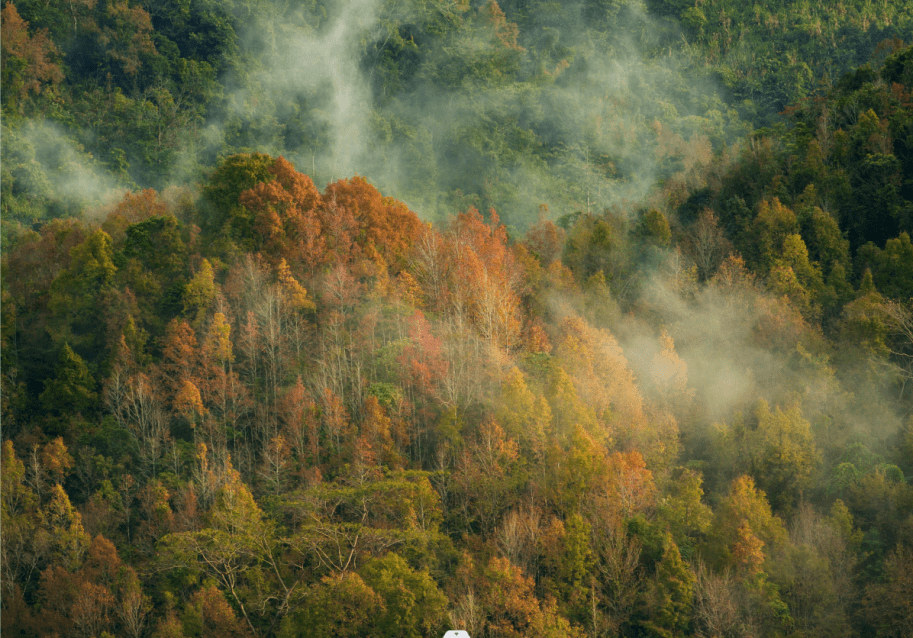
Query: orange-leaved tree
{"x":29,"y":61}
{"x":487,"y":267}
{"x":285,"y":216}
{"x":383,"y":224}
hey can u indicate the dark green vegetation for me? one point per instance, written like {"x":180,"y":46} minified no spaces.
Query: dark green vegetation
{"x":237,"y":404}
{"x":575,"y":104}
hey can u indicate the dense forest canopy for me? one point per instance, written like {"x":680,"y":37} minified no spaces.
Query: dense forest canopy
{"x":567,"y":318}
{"x":576,"y":105}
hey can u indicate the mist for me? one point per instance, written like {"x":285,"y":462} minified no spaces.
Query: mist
{"x":564,"y":118}
{"x":54,"y":170}
{"x":741,"y":344}
{"x":444,"y":106}
{"x":562,"y":115}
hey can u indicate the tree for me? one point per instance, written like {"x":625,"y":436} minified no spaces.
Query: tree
{"x":412,"y":604}
{"x":56,"y":459}
{"x":886,"y":608}
{"x":140,"y":409}
{"x":133,"y":209}
{"x":275,"y":466}
{"x":72,"y":390}
{"x":199,"y":293}
{"x":91,"y":267}
{"x":569,"y":410}
{"x":187,"y":402}
{"x":793,"y":276}
{"x":566,"y":566}
{"x":377,"y":428}
{"x":157,"y":245}
{"x":225,"y":398}
{"x":283,"y":212}
{"x":654,"y":229}
{"x":524,"y":416}
{"x":236,"y":548}
{"x":815,"y":571}
{"x":707,"y":245}
{"x":336,"y":421}
{"x":487,"y":476}
{"x":593,"y":245}
{"x":669,"y":600}
{"x":670,"y":375}
{"x":602,"y":377}
{"x":237,"y":174}
{"x":384,"y":224}
{"x":573,"y":473}
{"x":682,"y":509}
{"x":629,"y":488}
{"x":340,"y":525}
{"x":823,"y":236}
{"x":208,"y":615}
{"x":63,"y":525}
{"x":743,"y":524}
{"x":716,"y":610}
{"x":484,"y":277}
{"x":422,"y":365}
{"x":496,"y":599}
{"x":132,"y":606}
{"x":897,"y":318}
{"x":300,"y":416}
{"x":25,"y":545}
{"x":545,"y":240}
{"x":28,"y":60}
{"x":117,"y":38}
{"x":180,"y":357}
{"x":339,"y":607}
{"x":781,"y":453}
{"x":772,"y":225}
{"x":73,"y":605}
{"x":519,"y":536}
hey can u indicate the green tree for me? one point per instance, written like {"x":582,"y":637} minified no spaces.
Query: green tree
{"x":338,"y":607}
{"x":886,"y":608}
{"x":669,"y":600}
{"x":62,"y":524}
{"x":72,"y":390}
{"x":593,"y":245}
{"x":793,"y":275}
{"x":524,"y":416}
{"x":781,"y":453}
{"x":743,"y":513}
{"x":77,"y":295}
{"x":893,"y":273}
{"x":487,"y":477}
{"x":823,"y":236}
{"x":91,"y":265}
{"x":815,"y":572}
{"x":236,"y":548}
{"x":199,"y":293}
{"x":232,"y":177}
{"x":654,"y":228}
{"x":681,"y":507}
{"x":772,"y":225}
{"x":412,"y":604}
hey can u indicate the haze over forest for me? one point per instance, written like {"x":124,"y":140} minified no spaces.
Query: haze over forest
{"x":380,"y":318}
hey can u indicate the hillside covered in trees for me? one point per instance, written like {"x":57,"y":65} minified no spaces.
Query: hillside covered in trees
{"x":564,"y":319}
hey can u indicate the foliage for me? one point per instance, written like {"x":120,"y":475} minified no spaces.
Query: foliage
{"x":237,"y":404}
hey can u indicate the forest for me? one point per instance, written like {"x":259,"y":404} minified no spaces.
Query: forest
{"x":375,"y":318}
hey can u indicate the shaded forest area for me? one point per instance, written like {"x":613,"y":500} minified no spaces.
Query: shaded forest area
{"x":665,"y":396}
